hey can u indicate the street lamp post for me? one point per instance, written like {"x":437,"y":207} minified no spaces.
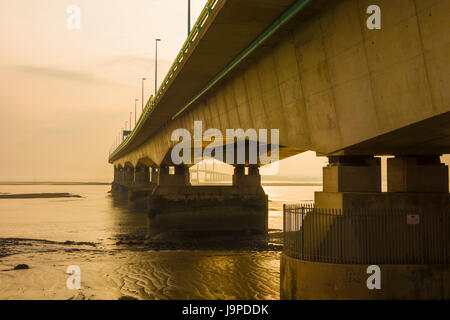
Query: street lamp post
{"x":135,"y":111}
{"x":131,"y":113}
{"x":143,"y":79}
{"x":156,"y":65}
{"x":189,"y":17}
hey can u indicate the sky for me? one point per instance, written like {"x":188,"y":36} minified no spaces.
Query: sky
{"x":65,"y":94}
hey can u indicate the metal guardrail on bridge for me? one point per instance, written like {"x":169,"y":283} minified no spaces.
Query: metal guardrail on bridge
{"x":366,"y":236}
{"x":206,"y":12}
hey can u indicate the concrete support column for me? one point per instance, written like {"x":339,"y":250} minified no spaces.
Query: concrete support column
{"x":129,"y":175}
{"x":252,"y":179}
{"x":163,"y":174}
{"x":352,"y":174}
{"x":416,"y":183}
{"x":422,"y":173}
{"x":154,"y":175}
{"x":142,"y":174}
{"x":179,"y":178}
{"x":115,"y":187}
{"x":253,"y":174}
{"x":350,"y":182}
{"x":182,"y":175}
{"x":146,"y":174}
{"x":121,"y":175}
{"x":116,"y":174}
{"x":239,"y":174}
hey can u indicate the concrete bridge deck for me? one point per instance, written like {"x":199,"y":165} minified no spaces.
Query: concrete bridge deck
{"x":327,"y":82}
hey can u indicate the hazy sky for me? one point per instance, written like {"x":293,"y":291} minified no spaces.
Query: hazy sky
{"x":65,"y":94}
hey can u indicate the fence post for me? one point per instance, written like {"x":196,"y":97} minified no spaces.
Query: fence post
{"x":303,"y":233}
{"x":285,"y":235}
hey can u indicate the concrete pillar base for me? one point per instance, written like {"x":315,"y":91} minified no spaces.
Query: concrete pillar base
{"x":119,"y":191}
{"x":251,"y":181}
{"x":305,"y":280}
{"x":115,"y":188}
{"x":417,"y":174}
{"x":138,"y":196}
{"x":128,"y":176}
{"x":154,"y":175}
{"x":179,"y":179}
{"x":207,"y":210}
{"x":142,"y":175}
{"x":352,"y":174}
{"x":420,"y":202}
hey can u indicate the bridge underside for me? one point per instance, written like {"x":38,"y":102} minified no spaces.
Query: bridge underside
{"x":323,"y":79}
{"x":430,"y":136}
{"x":328,"y":83}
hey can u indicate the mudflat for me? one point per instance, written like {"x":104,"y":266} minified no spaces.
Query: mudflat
{"x":38,"y":195}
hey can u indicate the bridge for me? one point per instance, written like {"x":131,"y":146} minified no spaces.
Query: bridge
{"x":315,"y":71}
{"x":204,"y":174}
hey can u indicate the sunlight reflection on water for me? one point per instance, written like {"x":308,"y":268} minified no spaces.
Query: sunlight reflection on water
{"x":111,"y":271}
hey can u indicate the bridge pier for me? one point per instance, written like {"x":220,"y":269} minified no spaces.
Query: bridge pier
{"x":348,"y":180}
{"x":418,"y":183}
{"x":251,"y":180}
{"x":141,"y":175}
{"x":154,"y":175}
{"x":133,"y":184}
{"x":179,"y":179}
{"x":117,"y":184}
{"x":139,"y":190}
{"x":365,"y":218}
{"x":128,"y":175}
{"x":417,"y":174}
{"x":178,"y":208}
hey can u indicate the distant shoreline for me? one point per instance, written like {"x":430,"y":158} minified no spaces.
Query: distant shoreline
{"x":291,"y":184}
{"x":265,"y":183}
{"x":38,"y":196}
{"x":40,"y":183}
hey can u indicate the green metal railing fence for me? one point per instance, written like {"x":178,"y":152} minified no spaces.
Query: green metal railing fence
{"x":366,"y":236}
{"x":206,"y":12}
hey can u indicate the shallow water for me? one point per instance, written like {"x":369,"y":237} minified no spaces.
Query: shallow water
{"x":106,"y":240}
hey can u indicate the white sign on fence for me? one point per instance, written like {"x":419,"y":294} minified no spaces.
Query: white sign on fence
{"x":412,"y":219}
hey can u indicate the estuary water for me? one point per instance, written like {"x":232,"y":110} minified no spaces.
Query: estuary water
{"x":107,"y":242}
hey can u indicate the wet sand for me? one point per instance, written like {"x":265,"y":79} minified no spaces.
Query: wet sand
{"x":137,"y":269}
{"x":107,"y":241}
{"x":38,"y":195}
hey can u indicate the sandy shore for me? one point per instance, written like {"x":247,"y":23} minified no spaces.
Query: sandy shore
{"x":38,"y":196}
{"x":136,"y":270}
